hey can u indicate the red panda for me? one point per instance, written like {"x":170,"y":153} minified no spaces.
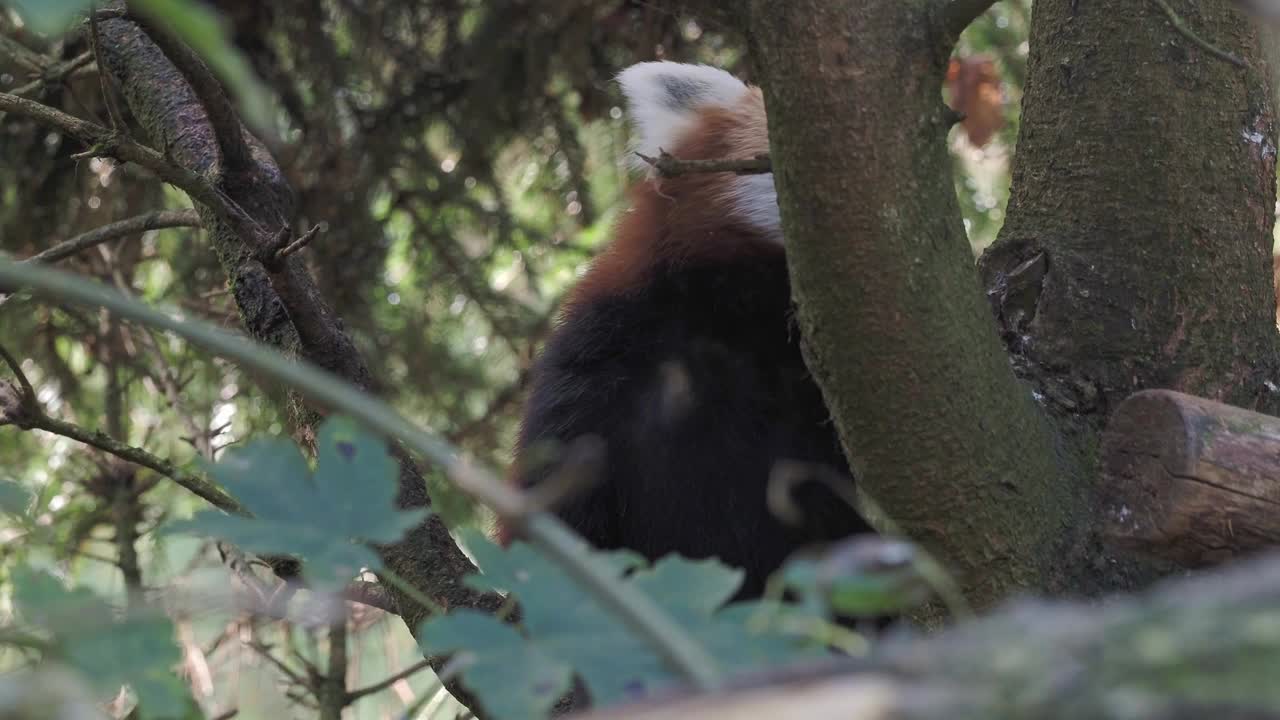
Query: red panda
{"x":678,"y":350}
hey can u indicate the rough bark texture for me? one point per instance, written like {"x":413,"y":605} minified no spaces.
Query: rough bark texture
{"x":1191,"y":480}
{"x":940,"y":433}
{"x":1207,"y":647}
{"x":1136,"y":253}
{"x":281,"y":309}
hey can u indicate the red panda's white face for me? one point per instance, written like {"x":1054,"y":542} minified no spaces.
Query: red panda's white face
{"x":691,"y":110}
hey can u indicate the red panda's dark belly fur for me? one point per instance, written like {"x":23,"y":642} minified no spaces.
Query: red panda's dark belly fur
{"x":696,"y":384}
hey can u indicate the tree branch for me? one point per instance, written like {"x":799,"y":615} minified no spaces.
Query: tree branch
{"x":670,"y":166}
{"x":116,"y":230}
{"x":333,"y":688}
{"x":1185,"y":30}
{"x":37,"y":420}
{"x":959,"y":14}
{"x":29,"y":416}
{"x":355,"y":695}
{"x":57,"y":73}
{"x":24,"y":56}
{"x":28,"y":392}
{"x":104,"y":142}
{"x":218,"y":108}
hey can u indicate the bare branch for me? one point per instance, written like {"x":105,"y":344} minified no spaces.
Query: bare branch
{"x":1186,"y":31}
{"x":33,"y":418}
{"x":131,"y":226}
{"x":670,"y":166}
{"x":282,"y":245}
{"x":56,"y":74}
{"x":28,"y":392}
{"x":293,"y":677}
{"x":383,"y":685}
{"x":24,"y":56}
{"x":196,"y":484}
{"x":103,"y":142}
{"x":298,"y":244}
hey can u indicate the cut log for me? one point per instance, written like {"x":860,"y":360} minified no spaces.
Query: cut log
{"x":1190,"y":480}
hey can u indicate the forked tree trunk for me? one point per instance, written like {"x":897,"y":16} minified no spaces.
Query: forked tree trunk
{"x":1135,"y":255}
{"x":941,"y":435}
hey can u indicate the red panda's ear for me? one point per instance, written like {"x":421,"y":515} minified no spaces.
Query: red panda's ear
{"x":663,"y":99}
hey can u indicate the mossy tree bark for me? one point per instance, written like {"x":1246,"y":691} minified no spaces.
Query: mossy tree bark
{"x":1135,"y":255}
{"x":1144,"y":185}
{"x":940,"y":433}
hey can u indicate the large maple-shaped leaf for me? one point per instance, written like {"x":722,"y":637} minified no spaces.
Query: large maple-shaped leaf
{"x":15,"y":498}
{"x":325,"y":517}
{"x":525,"y":680}
{"x":573,"y":629}
{"x":137,"y":649}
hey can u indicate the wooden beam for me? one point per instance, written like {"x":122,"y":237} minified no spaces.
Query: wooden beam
{"x":1190,"y":480}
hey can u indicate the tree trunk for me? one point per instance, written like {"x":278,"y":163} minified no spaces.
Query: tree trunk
{"x":940,"y":433}
{"x":1135,"y":255}
{"x":1144,"y":191}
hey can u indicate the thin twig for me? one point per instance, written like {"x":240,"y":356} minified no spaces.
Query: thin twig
{"x":57,"y":74}
{"x":298,"y":244}
{"x":23,"y":55}
{"x":95,"y":41}
{"x":355,"y":695}
{"x":35,"y":419}
{"x":1187,"y":32}
{"x":280,"y":665}
{"x":103,"y":142}
{"x":126,"y":511}
{"x":670,"y":166}
{"x":130,"y":226}
{"x":28,"y":391}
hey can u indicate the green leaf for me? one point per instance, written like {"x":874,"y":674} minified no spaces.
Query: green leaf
{"x":49,"y":17}
{"x":859,"y":577}
{"x":137,"y":650}
{"x":15,"y":498}
{"x":571,"y":627}
{"x":204,"y":31}
{"x":325,"y":518}
{"x":521,"y":680}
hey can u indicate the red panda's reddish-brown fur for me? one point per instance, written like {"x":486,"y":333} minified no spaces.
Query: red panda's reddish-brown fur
{"x":678,"y":350}
{"x":701,"y":230}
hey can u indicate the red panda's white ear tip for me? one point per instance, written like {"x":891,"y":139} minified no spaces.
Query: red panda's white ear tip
{"x":663,"y":99}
